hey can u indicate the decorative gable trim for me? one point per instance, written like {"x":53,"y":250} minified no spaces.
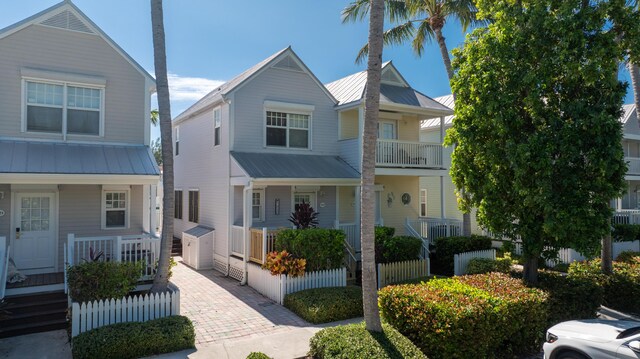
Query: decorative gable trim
{"x":288,"y":63}
{"x":391,"y":76}
{"x":68,"y":21}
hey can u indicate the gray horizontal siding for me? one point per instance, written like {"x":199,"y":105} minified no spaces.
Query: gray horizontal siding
{"x":350,"y":152}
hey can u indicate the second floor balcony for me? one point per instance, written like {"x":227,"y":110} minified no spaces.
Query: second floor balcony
{"x":633,"y":165}
{"x":409,"y":154}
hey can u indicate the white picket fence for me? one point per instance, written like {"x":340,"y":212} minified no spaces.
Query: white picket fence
{"x":276,"y":287}
{"x":389,"y":273}
{"x":461,"y":261}
{"x":91,"y":315}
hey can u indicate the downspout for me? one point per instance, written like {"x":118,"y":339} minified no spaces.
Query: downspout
{"x":245,"y":224}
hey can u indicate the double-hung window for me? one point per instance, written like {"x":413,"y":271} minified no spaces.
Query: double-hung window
{"x":177,"y":206}
{"x":306,"y":197}
{"x":289,"y":130}
{"x":194,"y":206}
{"x":257,"y":205}
{"x":216,"y":127}
{"x":115,"y":204}
{"x":177,"y":146}
{"x":59,"y":107}
{"x":423,"y":203}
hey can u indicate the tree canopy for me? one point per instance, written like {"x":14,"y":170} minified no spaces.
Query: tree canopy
{"x":538,"y":141}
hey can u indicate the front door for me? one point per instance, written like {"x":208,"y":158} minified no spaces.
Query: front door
{"x":34,"y":246}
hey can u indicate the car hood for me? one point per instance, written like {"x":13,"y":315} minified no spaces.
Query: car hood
{"x":594,"y":330}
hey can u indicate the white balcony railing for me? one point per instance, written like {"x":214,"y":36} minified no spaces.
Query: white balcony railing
{"x":634,"y":165}
{"x":394,"y":153}
{"x":626,"y":216}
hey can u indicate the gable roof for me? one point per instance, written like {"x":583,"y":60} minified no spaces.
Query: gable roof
{"x":627,"y":112}
{"x":58,"y":16}
{"x":218,"y":94}
{"x":393,"y":90}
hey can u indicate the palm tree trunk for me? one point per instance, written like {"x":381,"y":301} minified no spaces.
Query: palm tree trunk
{"x":160,"y":59}
{"x":444,"y":52}
{"x":367,"y":207}
{"x":634,"y":71}
{"x":606,"y":260}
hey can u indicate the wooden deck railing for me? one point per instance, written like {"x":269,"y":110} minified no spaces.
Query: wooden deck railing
{"x":262,"y":242}
{"x":394,"y":153}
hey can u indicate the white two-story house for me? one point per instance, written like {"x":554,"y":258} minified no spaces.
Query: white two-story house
{"x":274,"y":136}
{"x":74,"y":141}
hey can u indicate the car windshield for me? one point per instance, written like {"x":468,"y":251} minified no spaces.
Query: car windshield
{"x":628,"y":332}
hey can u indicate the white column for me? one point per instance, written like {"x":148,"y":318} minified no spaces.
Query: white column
{"x":153,"y":215}
{"x":442,"y":139}
{"x":360,"y":135}
{"x":146,"y":207}
{"x":246,"y":220}
{"x":357,"y":216}
{"x":442,"y":202}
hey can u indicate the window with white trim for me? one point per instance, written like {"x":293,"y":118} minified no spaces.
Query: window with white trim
{"x":177,"y":209}
{"x":257,"y":205}
{"x":307,"y":197}
{"x":177,"y":146}
{"x":58,"y":107}
{"x":194,"y":206}
{"x":289,"y":130}
{"x":217,"y":122}
{"x":115,"y":204}
{"x":423,"y":203}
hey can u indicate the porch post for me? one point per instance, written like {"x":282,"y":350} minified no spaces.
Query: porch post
{"x":71,"y":248}
{"x":442,"y":202}
{"x":153,"y":214}
{"x":146,"y":206}
{"x":246,"y":223}
{"x":441,"y":139}
{"x":357,"y":216}
{"x":337,"y":221}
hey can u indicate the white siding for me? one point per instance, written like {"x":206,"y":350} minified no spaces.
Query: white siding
{"x":66,"y":51}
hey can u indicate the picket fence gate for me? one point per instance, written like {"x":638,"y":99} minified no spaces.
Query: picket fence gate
{"x":276,"y":287}
{"x":140,"y":308}
{"x":394,"y":272}
{"x":461,"y":260}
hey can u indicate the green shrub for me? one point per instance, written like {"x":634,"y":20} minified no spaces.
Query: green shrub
{"x":621,"y":289}
{"x":400,"y":248}
{"x":625,"y":232}
{"x":446,"y":247}
{"x":324,"y":305}
{"x":322,"y":248}
{"x":102,"y":280}
{"x":467,"y":317}
{"x":416,"y":280}
{"x":135,"y":340}
{"x":628,"y":257}
{"x":354,"y":341}
{"x":258,"y":355}
{"x":486,"y":265}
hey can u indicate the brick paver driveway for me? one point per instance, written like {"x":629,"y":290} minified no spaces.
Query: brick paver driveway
{"x":220,"y":308}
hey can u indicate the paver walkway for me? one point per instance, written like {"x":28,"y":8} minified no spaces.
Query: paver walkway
{"x":221,"y":309}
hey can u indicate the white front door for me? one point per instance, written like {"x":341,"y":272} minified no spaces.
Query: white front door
{"x":387,"y":130}
{"x":34,"y":246}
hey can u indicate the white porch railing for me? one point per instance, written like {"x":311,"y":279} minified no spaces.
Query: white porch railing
{"x":130,"y":248}
{"x":626,"y":216}
{"x":237,"y":241}
{"x":4,"y":265}
{"x":633,"y":165}
{"x":433,"y":228}
{"x":394,"y":153}
{"x":461,"y":261}
{"x":352,"y":234}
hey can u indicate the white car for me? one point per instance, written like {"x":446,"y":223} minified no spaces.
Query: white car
{"x":593,"y":339}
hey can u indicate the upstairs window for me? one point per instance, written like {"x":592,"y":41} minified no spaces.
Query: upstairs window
{"x":289,"y":130}
{"x":177,"y":146}
{"x":216,"y":127}
{"x":52,"y":107}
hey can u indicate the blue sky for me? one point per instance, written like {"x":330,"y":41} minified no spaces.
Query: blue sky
{"x":211,"y":41}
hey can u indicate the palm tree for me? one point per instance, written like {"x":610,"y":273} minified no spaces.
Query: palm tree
{"x":161,"y":279}
{"x":367,"y":188}
{"x":154,"y":116}
{"x":430,"y":17}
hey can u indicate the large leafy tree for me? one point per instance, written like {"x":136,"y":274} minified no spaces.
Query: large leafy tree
{"x":419,"y":22}
{"x":538,"y":139}
{"x":161,"y":280}
{"x":367,"y":207}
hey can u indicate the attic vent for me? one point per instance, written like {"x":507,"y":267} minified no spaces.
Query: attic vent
{"x":67,"y":20}
{"x":391,"y":76}
{"x":288,"y":63}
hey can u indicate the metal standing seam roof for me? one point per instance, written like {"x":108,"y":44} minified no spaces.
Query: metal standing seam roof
{"x":70,"y":158}
{"x":446,"y":100}
{"x":627,"y":112}
{"x":198,"y":231}
{"x":277,"y":165}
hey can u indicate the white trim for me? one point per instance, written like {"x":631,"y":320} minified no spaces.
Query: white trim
{"x":630,"y":136}
{"x":302,"y":181}
{"x":383,"y":171}
{"x":425,"y":202}
{"x":295,"y":111}
{"x":289,"y":107}
{"x":306,"y":188}
{"x":217,"y":125}
{"x":313,"y":198}
{"x":32,"y":73}
{"x":103,"y":208}
{"x":61,"y":178}
{"x":263,"y":199}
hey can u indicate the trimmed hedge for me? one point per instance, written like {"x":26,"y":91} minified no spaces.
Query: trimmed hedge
{"x":621,"y":289}
{"x":446,"y":247}
{"x":395,"y":249}
{"x":354,"y":341}
{"x":258,"y":355}
{"x":486,"y":265}
{"x":90,"y":281}
{"x":324,"y":305}
{"x":322,"y":248}
{"x":625,"y":232}
{"x":135,"y":340}
{"x":570,"y":297}
{"x":467,"y":317}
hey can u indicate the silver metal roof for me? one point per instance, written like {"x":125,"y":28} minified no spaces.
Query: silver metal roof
{"x":198,"y":231}
{"x":627,"y":112}
{"x":277,"y":165}
{"x":70,"y":158}
{"x":435,"y":122}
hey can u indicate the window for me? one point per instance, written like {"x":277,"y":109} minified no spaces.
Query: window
{"x":423,"y":203}
{"x":216,"y":127}
{"x":387,"y":130}
{"x":61,"y":108}
{"x":287,"y":129}
{"x":177,"y":207}
{"x":257,"y":205}
{"x":177,"y":147}
{"x":307,"y":197}
{"x":115,"y":209}
{"x":194,"y":206}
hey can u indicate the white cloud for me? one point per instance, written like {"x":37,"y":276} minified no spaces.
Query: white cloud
{"x":183,"y":88}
